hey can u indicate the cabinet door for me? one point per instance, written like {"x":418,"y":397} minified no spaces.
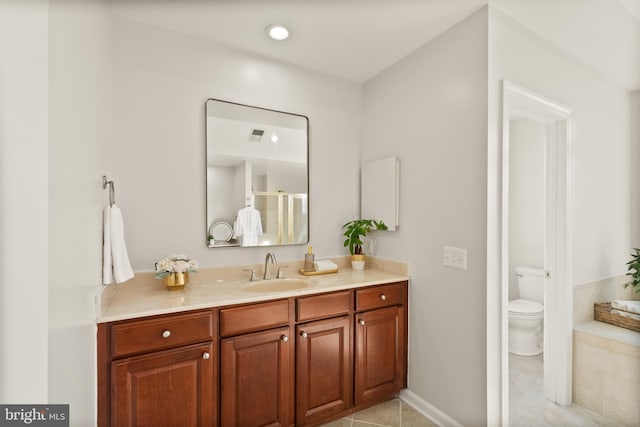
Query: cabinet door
{"x":379,"y":354}
{"x":165,"y":388}
{"x":323,"y":369}
{"x":255,"y":386}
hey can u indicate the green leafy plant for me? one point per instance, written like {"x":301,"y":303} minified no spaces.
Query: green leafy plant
{"x":634,"y":271}
{"x":358,"y":228}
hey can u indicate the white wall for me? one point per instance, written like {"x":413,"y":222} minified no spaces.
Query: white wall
{"x":79,"y":154}
{"x":526,"y":197}
{"x":602,"y":33}
{"x":600,"y":125}
{"x":430,"y":110}
{"x":161,"y":82}
{"x":634,"y":164}
{"x":599,"y":173}
{"x":23,"y":200}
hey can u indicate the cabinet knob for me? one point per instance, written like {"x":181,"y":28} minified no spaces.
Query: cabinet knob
{"x":284,"y":338}
{"x":362,"y":322}
{"x":303,"y":334}
{"x":166,"y":334}
{"x":205,"y":355}
{"x":383,"y":297}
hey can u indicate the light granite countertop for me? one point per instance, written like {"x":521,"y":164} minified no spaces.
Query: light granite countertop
{"x":146,"y":296}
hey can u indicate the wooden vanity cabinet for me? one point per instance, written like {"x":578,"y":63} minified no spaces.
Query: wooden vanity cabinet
{"x":295,"y":361}
{"x":171,"y":388}
{"x":255,"y":365}
{"x":254,"y":384}
{"x":324,"y":361}
{"x":380,"y":342}
{"x":159,"y":371}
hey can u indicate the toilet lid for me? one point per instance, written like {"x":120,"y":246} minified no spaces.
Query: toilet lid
{"x":523,"y":306}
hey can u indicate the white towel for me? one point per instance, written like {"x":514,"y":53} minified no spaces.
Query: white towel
{"x":626,"y":314}
{"x":114,"y":250}
{"x":324,"y":265}
{"x":628,"y":305}
{"x":107,"y":266}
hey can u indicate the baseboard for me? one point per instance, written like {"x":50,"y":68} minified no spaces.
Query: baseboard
{"x":427,"y":409}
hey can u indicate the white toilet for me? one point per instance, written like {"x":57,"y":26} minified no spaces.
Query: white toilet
{"x":526,"y":315}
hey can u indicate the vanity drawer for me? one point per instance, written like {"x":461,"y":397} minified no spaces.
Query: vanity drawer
{"x":160,"y":333}
{"x":325,"y":305}
{"x":255,"y":317}
{"x":379,"y":296}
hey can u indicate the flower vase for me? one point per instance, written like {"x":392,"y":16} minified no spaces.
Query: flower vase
{"x":176,"y":281}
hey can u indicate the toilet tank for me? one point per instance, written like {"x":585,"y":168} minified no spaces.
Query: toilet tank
{"x":531,"y":283}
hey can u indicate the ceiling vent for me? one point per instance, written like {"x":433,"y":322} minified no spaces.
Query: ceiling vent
{"x":256,"y":135}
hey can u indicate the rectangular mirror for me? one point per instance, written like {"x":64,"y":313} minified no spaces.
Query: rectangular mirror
{"x":257,"y":176}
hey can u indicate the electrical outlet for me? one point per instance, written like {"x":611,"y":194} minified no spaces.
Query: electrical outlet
{"x":454,"y":257}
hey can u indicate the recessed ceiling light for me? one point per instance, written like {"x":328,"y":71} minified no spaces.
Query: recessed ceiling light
{"x":277,"y":32}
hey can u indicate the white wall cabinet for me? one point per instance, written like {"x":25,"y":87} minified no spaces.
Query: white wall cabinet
{"x":379,"y":191}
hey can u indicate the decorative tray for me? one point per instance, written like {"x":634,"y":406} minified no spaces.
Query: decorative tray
{"x":315,"y":273}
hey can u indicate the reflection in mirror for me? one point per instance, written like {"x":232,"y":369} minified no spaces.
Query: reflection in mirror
{"x":257,"y":176}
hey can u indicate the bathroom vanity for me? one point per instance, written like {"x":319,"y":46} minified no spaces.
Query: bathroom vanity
{"x":289,"y":357}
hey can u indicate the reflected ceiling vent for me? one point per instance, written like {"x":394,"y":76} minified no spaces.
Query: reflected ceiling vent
{"x":256,"y":135}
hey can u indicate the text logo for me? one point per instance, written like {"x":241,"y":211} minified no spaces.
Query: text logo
{"x":34,"y":415}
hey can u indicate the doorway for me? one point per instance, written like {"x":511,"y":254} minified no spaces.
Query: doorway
{"x":551,"y":119}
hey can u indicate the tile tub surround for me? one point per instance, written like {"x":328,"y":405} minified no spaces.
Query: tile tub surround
{"x":606,"y":371}
{"x":146,"y":296}
{"x":606,"y":290}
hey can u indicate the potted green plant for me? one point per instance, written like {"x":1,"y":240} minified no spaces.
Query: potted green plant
{"x":354,"y":232}
{"x":634,"y":271}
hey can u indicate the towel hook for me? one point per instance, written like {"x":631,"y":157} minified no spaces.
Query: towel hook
{"x":112,"y":190}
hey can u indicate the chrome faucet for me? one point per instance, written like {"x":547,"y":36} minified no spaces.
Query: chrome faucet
{"x":272,"y":256}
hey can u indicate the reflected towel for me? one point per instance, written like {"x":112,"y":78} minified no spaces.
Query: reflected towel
{"x":628,"y":305}
{"x":324,"y":265}
{"x":116,"y":263}
{"x":248,"y":225}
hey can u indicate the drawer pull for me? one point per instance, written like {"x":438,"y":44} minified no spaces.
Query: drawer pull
{"x":205,"y":355}
{"x":362,"y":322}
{"x":303,"y":334}
{"x":284,"y":338}
{"x":383,"y":297}
{"x":166,"y":334}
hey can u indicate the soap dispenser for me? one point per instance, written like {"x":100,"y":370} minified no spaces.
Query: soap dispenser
{"x":308,"y":260}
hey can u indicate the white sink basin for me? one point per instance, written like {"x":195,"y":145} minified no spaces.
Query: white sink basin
{"x":277,"y":285}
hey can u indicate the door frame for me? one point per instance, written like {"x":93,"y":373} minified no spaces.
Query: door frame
{"x":558,"y":307}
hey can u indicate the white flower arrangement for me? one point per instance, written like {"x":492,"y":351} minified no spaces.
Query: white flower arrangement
{"x":175,"y":264}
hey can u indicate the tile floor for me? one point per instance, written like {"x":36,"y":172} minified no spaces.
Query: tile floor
{"x":529,"y":408}
{"x":394,"y":413}
{"x":527,"y":405}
